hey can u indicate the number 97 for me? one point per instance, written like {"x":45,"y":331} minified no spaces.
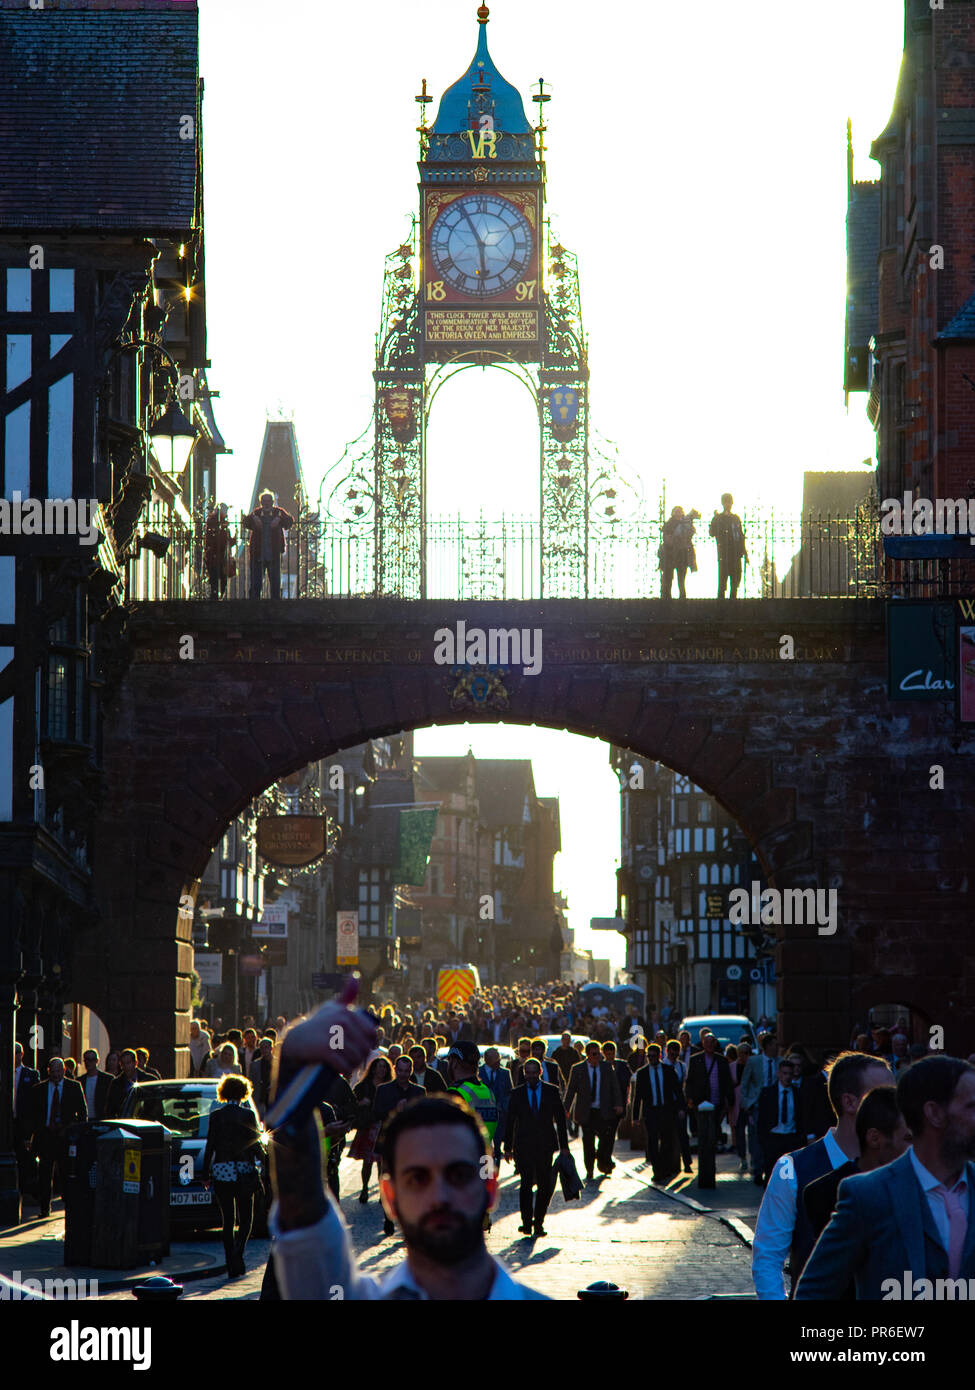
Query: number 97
{"x":525,"y":289}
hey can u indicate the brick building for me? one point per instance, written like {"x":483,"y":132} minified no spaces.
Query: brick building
{"x":910,"y":325}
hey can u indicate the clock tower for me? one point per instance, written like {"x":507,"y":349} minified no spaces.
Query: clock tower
{"x":480,"y":283}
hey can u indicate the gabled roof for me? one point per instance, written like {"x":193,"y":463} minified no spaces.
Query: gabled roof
{"x":961,"y":328}
{"x":279,"y":469}
{"x":91,"y":104}
{"x":502,"y":787}
{"x":551,"y":803}
{"x":441,"y":774}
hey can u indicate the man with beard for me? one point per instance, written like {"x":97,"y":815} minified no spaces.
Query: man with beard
{"x":438,"y":1183}
{"x":911,"y":1222}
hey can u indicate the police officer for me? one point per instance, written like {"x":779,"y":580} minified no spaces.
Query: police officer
{"x":463,"y":1060}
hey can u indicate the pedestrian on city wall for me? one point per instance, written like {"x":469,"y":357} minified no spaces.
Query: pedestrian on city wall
{"x":217,"y":541}
{"x":267,"y":526}
{"x":676,"y":554}
{"x":729,"y":537}
{"x":232,"y":1160}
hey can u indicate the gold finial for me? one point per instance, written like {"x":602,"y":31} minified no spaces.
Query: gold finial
{"x":482,"y":14}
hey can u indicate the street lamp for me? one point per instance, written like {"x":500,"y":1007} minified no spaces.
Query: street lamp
{"x":172,"y":439}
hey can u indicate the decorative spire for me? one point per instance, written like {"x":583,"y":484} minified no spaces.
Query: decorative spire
{"x":482,"y":14}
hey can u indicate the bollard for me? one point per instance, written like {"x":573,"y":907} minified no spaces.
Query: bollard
{"x":158,"y":1289}
{"x":602,"y":1289}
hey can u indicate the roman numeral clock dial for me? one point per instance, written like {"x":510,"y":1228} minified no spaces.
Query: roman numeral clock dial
{"x":481,"y":245}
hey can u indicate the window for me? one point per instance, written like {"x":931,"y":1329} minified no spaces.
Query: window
{"x":683,"y":812}
{"x":705,"y":812}
{"x":370,"y":886}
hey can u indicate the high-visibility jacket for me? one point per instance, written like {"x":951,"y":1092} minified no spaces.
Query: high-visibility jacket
{"x":480,"y":1098}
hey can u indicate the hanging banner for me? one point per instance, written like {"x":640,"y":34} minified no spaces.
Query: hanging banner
{"x":291,"y":841}
{"x":415,"y":837}
{"x":920,"y":650}
{"x":347,"y":938}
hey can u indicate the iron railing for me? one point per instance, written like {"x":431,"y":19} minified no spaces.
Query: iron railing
{"x":805,"y":557}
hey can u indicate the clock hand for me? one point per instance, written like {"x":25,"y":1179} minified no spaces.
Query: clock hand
{"x":480,"y":244}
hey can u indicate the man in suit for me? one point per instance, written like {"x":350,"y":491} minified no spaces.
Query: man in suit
{"x":498,"y":1079}
{"x":778,"y":1129}
{"x":523,"y":1052}
{"x":96,"y":1085}
{"x":130,"y":1075}
{"x":423,"y":1075}
{"x":623,"y":1075}
{"x":142,"y":1062}
{"x":883,"y":1135}
{"x":815,"y":1111}
{"x":761,"y":1070}
{"x":534,"y":1128}
{"x":55,"y":1104}
{"x":593,"y":1095}
{"x":249,"y":1051}
{"x":708,"y":1083}
{"x":782,"y":1230}
{"x":656,"y":1100}
{"x":914,"y":1219}
{"x":550,"y":1069}
{"x":673,"y":1061}
{"x":25,"y":1078}
{"x":260,"y":1074}
{"x":392,"y":1096}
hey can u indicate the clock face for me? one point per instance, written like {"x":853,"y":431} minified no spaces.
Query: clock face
{"x":481,"y":245}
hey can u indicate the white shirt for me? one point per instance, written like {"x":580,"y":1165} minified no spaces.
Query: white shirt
{"x":790,"y":1111}
{"x":594,"y":1084}
{"x":936,"y":1201}
{"x":17,"y":1071}
{"x":777,"y":1221}
{"x":679,"y":1069}
{"x":90,"y":1083}
{"x":317,"y":1263}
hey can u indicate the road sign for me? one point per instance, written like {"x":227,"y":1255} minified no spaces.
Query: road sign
{"x":755,"y":975}
{"x":733,"y":972}
{"x":347,"y":938}
{"x":209,"y":967}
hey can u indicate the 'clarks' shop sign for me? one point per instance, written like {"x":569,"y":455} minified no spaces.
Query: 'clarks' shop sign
{"x":920,"y":650}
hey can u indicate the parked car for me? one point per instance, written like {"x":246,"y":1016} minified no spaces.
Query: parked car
{"x":184,"y":1108}
{"x":554,"y":1040}
{"x":727,"y":1028}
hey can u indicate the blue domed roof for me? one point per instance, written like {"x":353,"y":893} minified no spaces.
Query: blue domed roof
{"x":460,"y":102}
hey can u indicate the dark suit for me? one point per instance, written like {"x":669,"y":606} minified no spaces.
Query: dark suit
{"x":48,"y":1135}
{"x":26,"y":1081}
{"x":773,"y":1146}
{"x":598,"y":1126}
{"x":882,"y":1226}
{"x":815,"y":1112}
{"x":119,"y":1090}
{"x":260,"y":1078}
{"x":697,"y":1088}
{"x":819,"y":1199}
{"x":432,"y":1081}
{"x":390,"y":1096}
{"x":501,"y":1089}
{"x":660,"y":1118}
{"x":99,"y":1101}
{"x":533,"y":1136}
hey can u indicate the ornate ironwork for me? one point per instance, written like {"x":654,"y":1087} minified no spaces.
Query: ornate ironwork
{"x":563,"y":388}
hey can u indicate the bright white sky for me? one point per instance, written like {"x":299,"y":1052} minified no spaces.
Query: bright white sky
{"x":696,"y":165}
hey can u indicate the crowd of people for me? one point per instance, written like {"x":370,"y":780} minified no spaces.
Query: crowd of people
{"x":524,"y":1070}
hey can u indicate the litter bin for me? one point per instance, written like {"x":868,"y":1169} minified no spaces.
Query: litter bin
{"x":116,"y":1196}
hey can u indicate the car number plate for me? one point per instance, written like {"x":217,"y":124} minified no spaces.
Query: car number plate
{"x":188,"y":1199}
